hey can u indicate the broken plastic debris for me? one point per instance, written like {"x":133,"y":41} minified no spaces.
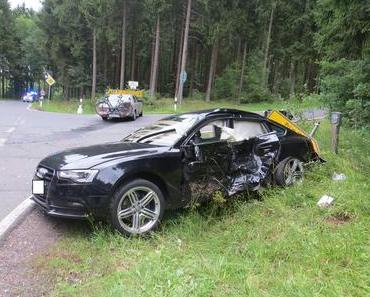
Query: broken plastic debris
{"x":325,"y":201}
{"x":339,"y":176}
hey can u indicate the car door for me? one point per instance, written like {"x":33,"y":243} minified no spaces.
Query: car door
{"x":228,"y":156}
{"x":206,"y":161}
{"x":253,"y":152}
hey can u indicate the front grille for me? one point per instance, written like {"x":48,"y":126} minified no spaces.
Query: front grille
{"x":46,"y":174}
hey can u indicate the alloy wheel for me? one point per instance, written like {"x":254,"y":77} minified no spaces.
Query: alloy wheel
{"x":293,"y":172}
{"x":138,"y":210}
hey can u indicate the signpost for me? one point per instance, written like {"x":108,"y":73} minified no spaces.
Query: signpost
{"x":50,"y":81}
{"x":336,"y":121}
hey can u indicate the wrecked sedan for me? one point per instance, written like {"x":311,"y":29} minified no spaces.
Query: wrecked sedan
{"x":119,"y":106}
{"x":170,"y":164}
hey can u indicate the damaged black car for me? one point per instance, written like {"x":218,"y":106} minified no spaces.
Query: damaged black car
{"x":178,"y":160}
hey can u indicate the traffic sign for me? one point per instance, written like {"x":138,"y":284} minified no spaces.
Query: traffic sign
{"x":49,"y":79}
{"x":183,"y":77}
{"x":133,"y":84}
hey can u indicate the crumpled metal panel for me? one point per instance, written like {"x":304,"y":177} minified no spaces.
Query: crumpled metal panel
{"x":231,"y":167}
{"x":250,"y":170}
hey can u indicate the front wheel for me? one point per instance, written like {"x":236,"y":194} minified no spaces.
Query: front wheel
{"x":104,"y":118}
{"x":137,"y":207}
{"x":134,"y":116}
{"x":289,"y":172}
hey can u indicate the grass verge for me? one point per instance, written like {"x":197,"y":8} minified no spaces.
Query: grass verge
{"x":280,"y":244}
{"x":166,"y":106}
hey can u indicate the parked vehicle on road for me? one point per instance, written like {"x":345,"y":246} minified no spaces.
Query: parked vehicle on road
{"x":119,"y":106}
{"x":178,"y":160}
{"x":30,"y":97}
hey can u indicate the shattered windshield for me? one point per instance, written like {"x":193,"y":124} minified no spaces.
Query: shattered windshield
{"x":166,"y":131}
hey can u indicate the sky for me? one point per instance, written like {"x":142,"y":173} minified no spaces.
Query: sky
{"x":34,"y":4}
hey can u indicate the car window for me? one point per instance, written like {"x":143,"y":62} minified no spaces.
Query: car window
{"x":210,"y":132}
{"x":165,"y":138}
{"x":280,"y":131}
{"x":243,"y":130}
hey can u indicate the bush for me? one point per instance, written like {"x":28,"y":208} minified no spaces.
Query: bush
{"x":345,"y":87}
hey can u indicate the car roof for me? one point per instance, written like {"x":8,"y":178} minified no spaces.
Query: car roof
{"x":228,"y":111}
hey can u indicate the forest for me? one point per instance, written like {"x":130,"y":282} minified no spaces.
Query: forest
{"x":246,"y":51}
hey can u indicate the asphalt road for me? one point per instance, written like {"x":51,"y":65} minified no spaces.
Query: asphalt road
{"x":27,"y":136}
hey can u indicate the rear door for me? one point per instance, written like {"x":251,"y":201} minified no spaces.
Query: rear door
{"x":229,"y":156}
{"x":253,"y":152}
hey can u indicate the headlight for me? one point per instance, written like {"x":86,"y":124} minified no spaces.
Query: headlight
{"x":78,"y":176}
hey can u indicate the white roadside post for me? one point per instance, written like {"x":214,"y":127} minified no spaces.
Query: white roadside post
{"x":175,"y":104}
{"x":79,"y":109}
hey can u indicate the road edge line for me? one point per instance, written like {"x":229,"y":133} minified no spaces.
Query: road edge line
{"x":15,"y":217}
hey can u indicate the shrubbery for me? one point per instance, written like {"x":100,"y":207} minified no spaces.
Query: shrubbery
{"x":345,"y":87}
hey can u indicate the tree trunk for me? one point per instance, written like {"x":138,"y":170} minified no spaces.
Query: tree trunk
{"x":292,"y":79}
{"x":267,"y":49}
{"x":184,"y":50}
{"x":240,"y":89}
{"x":3,"y":86}
{"x":154,"y":72}
{"x":105,"y":72}
{"x":193,"y":71}
{"x":123,"y":47}
{"x":178,"y":68}
{"x":93,"y":88}
{"x":212,"y":70}
{"x":133,"y":57}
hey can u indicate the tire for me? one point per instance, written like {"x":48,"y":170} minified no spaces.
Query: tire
{"x":141,"y":114}
{"x":289,"y":172}
{"x":139,"y":215}
{"x":134,"y":116}
{"x":105,"y":118}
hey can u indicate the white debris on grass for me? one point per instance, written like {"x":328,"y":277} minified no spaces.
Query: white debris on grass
{"x":339,"y":176}
{"x":325,"y":201}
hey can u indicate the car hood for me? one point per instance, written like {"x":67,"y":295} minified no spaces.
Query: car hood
{"x":90,"y":156}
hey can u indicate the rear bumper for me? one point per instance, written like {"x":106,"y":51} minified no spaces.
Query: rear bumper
{"x":115,"y":113}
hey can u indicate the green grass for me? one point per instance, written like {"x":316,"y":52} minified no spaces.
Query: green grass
{"x":281,"y":244}
{"x":166,"y":106}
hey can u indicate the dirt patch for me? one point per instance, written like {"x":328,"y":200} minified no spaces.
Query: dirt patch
{"x":31,"y":239}
{"x":339,"y":218}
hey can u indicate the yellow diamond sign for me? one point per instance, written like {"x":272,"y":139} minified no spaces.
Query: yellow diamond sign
{"x":50,"y":81}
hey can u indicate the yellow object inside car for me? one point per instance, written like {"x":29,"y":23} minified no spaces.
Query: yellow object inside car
{"x":282,"y":120}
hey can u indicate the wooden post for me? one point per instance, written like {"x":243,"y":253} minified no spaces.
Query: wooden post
{"x":49,"y":93}
{"x":336,"y":121}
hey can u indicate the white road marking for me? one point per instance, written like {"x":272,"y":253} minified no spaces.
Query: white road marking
{"x":2,"y":141}
{"x":11,"y":219}
{"x":10,"y":130}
